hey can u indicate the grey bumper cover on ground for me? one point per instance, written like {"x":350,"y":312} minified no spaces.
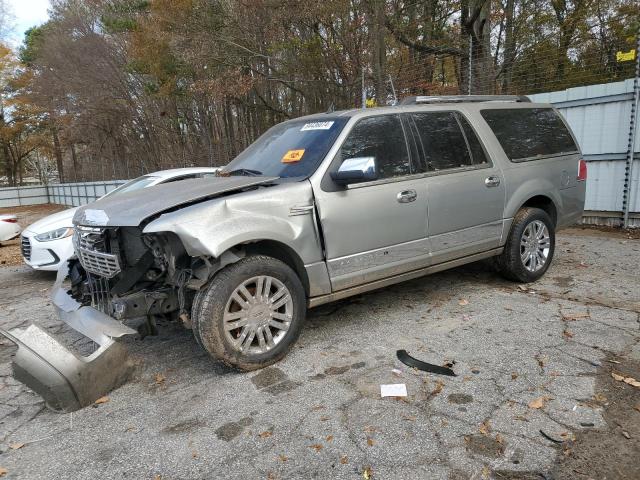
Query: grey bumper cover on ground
{"x":66,"y":380}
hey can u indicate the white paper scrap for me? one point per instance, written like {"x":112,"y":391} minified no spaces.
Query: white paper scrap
{"x":316,"y":126}
{"x":393,"y":390}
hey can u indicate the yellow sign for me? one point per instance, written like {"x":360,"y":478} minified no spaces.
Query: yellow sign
{"x":626,"y":56}
{"x":371,"y":102}
{"x":293,"y":156}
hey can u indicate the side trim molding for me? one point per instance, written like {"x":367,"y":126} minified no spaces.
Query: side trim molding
{"x":366,"y":287}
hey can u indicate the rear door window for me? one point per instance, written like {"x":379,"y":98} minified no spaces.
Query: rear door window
{"x":443,"y":142}
{"x":530,"y":133}
{"x":381,"y":137}
{"x":477,"y":152}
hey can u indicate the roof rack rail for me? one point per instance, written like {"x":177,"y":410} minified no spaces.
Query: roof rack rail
{"x":421,"y":99}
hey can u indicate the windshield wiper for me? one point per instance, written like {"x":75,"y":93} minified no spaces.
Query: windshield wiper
{"x":242,"y":171}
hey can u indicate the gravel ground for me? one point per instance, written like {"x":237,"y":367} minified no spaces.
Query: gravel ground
{"x":528,"y":360}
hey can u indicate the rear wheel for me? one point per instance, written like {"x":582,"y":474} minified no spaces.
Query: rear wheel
{"x":251,"y":313}
{"x":530,"y":245}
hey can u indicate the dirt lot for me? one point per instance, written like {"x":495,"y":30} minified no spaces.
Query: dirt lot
{"x":10,"y":251}
{"x":534,"y":396}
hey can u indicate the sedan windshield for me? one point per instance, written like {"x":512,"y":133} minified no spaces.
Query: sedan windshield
{"x":288,"y":150}
{"x":135,"y":184}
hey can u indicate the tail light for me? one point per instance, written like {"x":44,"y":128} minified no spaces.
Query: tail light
{"x":582,"y":171}
{"x":10,"y":220}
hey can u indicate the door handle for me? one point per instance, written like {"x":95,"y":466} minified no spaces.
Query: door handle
{"x":407,"y":196}
{"x":492,"y":181}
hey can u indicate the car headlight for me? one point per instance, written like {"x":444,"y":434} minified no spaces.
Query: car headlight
{"x":54,"y":234}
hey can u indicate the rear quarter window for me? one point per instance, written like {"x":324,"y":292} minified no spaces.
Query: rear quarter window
{"x":527,"y":134}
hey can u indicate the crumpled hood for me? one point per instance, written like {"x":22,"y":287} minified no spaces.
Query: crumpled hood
{"x":131,"y":208}
{"x":54,"y":221}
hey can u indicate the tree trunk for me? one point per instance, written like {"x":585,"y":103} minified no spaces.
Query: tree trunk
{"x":509,"y":48}
{"x":56,"y":148}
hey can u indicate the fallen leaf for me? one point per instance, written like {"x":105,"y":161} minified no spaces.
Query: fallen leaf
{"x":317,"y":447}
{"x":439,"y":387}
{"x":194,"y":454}
{"x":16,"y":446}
{"x":282,"y":458}
{"x":486,"y":473}
{"x":3,"y":471}
{"x":271,"y":476}
{"x":567,"y":334}
{"x":632,"y":381}
{"x":101,"y":400}
{"x":499,"y":439}
{"x":370,"y":442}
{"x":324,"y":418}
{"x":318,"y":407}
{"x":628,"y":380}
{"x":344,"y":460}
{"x":367,"y":473}
{"x":514,"y":375}
{"x":329,"y":438}
{"x":539,"y":402}
{"x":626,"y":435}
{"x":160,"y":378}
{"x":463,"y":302}
{"x":412,"y":418}
{"x":266,"y":434}
{"x":484,"y":428}
{"x":600,"y":398}
{"x":637,"y":407}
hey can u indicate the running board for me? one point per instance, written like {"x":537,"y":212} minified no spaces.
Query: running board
{"x":403,"y":277}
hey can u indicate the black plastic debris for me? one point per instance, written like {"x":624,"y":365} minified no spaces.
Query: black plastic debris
{"x":407,"y":359}
{"x":550,"y":438}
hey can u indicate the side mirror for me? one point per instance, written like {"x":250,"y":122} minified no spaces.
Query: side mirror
{"x":354,"y":170}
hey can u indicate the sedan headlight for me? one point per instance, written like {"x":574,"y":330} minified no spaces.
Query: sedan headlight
{"x":54,"y":234}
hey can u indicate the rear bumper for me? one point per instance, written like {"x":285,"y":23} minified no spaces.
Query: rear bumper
{"x":66,"y":380}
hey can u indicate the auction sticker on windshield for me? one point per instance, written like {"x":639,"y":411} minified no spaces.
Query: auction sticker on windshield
{"x":293,"y":156}
{"x":316,"y":126}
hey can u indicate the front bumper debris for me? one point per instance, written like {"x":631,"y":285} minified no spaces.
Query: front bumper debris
{"x":68,"y":381}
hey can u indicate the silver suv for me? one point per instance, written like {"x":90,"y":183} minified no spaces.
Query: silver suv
{"x":317,"y":209}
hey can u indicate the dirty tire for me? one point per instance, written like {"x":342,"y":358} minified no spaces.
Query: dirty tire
{"x":509,"y":263}
{"x":213,"y":304}
{"x":195,"y":315}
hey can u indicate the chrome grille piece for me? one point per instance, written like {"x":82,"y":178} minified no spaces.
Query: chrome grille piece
{"x":100,"y":297}
{"x":25,"y":247}
{"x":91,"y":249}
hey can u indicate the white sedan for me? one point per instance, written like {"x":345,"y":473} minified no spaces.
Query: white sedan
{"x":9,"y":228}
{"x":47,"y":243}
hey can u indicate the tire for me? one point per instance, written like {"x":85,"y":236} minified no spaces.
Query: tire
{"x":265,"y":299}
{"x":195,"y":315}
{"x":523,"y":241}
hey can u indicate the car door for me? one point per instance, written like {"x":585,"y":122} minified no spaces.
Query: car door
{"x":465,"y":189}
{"x":374,"y":229}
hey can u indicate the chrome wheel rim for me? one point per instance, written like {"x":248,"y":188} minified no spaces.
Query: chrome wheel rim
{"x":535,"y":245}
{"x":258,"y":315}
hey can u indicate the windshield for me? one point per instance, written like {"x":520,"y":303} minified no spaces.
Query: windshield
{"x":288,"y":150}
{"x":135,"y":184}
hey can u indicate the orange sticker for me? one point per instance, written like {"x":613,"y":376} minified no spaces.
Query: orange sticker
{"x":293,"y":156}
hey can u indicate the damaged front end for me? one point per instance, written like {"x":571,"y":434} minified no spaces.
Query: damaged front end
{"x":120,"y":274}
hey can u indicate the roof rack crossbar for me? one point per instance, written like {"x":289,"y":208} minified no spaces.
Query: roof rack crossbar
{"x":422,"y":99}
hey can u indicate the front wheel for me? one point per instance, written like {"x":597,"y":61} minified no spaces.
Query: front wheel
{"x":251,"y":313}
{"x":530,"y":245}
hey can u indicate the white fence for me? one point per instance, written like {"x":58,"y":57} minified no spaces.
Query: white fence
{"x":70,"y":194}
